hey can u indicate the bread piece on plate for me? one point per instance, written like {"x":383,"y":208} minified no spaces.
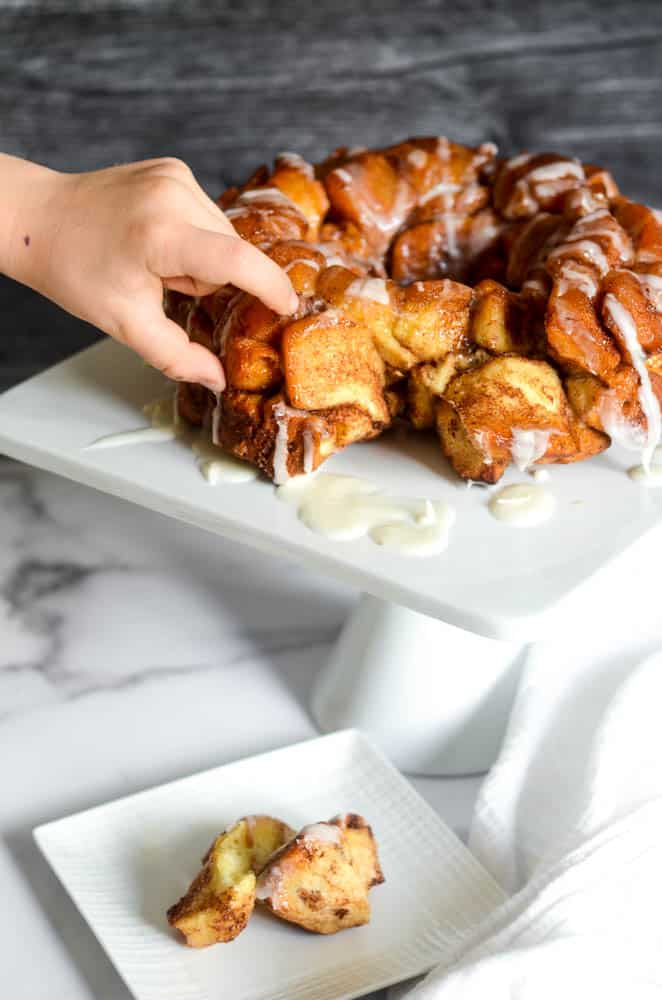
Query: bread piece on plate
{"x":361,"y":846}
{"x":320,"y":880}
{"x":221,"y":898}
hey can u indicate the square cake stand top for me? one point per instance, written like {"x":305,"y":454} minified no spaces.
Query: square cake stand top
{"x":499,"y":581}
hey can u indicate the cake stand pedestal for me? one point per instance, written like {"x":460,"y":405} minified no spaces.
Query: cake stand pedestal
{"x":435,"y":698}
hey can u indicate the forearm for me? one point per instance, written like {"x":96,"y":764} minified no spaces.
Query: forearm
{"x":28,"y":193}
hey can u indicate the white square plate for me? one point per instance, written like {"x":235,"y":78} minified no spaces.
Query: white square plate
{"x":493,"y":579}
{"x":124,"y":863}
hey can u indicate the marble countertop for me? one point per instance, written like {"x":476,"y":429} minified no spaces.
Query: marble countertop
{"x":134,"y":650}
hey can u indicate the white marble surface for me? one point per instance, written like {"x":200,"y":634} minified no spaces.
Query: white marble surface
{"x":134,"y":650}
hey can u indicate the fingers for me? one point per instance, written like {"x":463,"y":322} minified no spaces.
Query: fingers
{"x":165,"y":346}
{"x":217,"y":259}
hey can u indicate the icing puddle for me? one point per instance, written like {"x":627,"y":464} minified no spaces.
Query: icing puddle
{"x":339,"y":507}
{"x":346,"y":508}
{"x":214,"y":464}
{"x":650,"y":477}
{"x":522,"y":504}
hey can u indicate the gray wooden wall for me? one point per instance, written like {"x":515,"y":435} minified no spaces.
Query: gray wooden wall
{"x":225,"y":85}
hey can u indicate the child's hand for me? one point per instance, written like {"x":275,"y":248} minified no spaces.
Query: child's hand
{"x":103,"y":245}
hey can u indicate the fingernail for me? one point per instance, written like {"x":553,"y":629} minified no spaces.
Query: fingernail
{"x":294,"y":302}
{"x":215,"y":387}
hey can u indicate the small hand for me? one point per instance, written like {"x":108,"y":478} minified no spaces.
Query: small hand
{"x":103,"y":245}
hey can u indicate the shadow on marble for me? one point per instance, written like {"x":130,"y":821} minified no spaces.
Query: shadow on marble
{"x":87,"y":956}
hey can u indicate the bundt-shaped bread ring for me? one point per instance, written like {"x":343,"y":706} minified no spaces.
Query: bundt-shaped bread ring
{"x":514,"y":306}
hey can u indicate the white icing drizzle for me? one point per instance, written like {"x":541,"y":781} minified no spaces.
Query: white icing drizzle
{"x":273,"y":197}
{"x":548,"y":179}
{"x":443,"y":188}
{"x":625,"y":433}
{"x":228,"y":320}
{"x":143,"y":435}
{"x":281,"y":474}
{"x":488,"y":150}
{"x":266,"y":194}
{"x":308,"y":452}
{"x":583,"y":201}
{"x":647,"y":398}
{"x":576,"y":275}
{"x":218,"y":467}
{"x":215,"y":465}
{"x":282,"y":414}
{"x":522,"y":504}
{"x":528,"y":446}
{"x":540,"y":475}
{"x":652,"y":477}
{"x":466,"y":196}
{"x":387,"y":222}
{"x":418,"y":158}
{"x":652,"y":288}
{"x":345,"y":508}
{"x":427,"y":535}
{"x":647,"y":257}
{"x":559,"y":169}
{"x":307,"y":261}
{"x":584,"y":236}
{"x":587,"y":248}
{"x":325,"y":833}
{"x":535,"y":284}
{"x":518,"y":161}
{"x":343,"y":175}
{"x":296,"y":162}
{"x":160,"y":413}
{"x":374,"y":289}
{"x":449,"y":219}
{"x":269,"y":886}
{"x":591,"y":225}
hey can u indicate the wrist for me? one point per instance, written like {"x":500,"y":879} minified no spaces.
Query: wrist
{"x":31,"y":201}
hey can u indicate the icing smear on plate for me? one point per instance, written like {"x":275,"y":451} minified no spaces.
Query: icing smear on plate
{"x":339,"y":507}
{"x":347,"y":508}
{"x":651,"y":476}
{"x":215,"y":465}
{"x":522,"y":504}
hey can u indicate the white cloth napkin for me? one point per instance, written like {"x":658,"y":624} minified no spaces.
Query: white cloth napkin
{"x":569,"y":821}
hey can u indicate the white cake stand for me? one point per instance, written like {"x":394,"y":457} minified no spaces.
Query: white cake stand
{"x":434,"y":697}
{"x":428,"y":662}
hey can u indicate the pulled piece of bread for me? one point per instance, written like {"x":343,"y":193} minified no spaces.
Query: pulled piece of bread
{"x":221,"y":898}
{"x":320,"y":880}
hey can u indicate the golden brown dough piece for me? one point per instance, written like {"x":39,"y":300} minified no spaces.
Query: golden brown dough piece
{"x":320,"y":880}
{"x":221,"y":898}
{"x":360,"y":843}
{"x":443,"y":284}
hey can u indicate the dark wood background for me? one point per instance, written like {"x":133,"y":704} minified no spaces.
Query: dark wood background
{"x":226,"y":85}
